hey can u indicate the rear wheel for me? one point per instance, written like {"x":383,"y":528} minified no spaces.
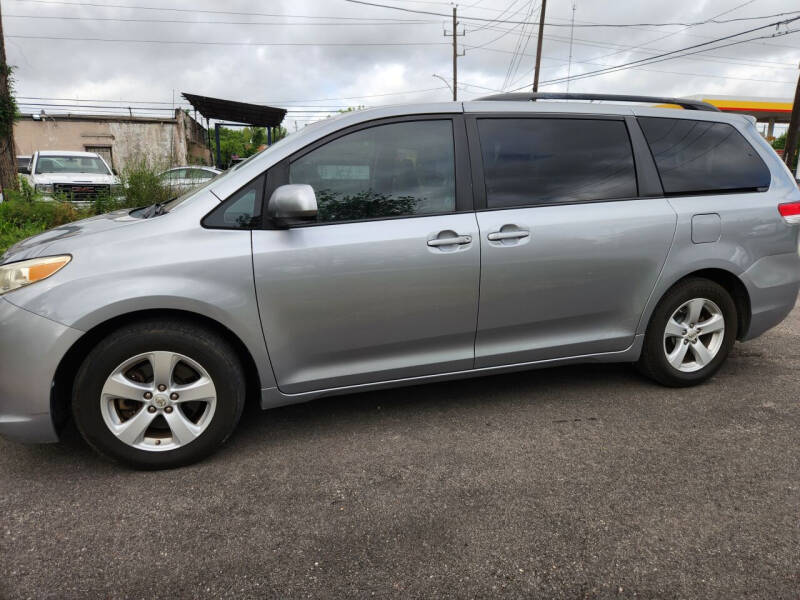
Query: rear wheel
{"x":690,"y":333}
{"x":159,"y":394}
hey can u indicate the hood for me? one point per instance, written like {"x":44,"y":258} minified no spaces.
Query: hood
{"x":38,"y":244}
{"x":44,"y":178}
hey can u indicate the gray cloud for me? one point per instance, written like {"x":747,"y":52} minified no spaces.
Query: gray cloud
{"x":141,"y":71}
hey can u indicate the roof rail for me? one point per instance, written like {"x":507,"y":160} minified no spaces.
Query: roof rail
{"x":532,"y":96}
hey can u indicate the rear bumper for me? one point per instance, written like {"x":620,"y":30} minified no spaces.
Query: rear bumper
{"x":772,"y":283}
{"x":31,"y":347}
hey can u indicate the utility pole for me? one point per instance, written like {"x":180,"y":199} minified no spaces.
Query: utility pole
{"x":8,"y":110}
{"x":455,"y":35}
{"x":792,"y":133}
{"x":539,"y":48}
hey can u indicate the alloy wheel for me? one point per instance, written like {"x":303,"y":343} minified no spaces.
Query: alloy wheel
{"x":158,"y":401}
{"x":693,"y":335}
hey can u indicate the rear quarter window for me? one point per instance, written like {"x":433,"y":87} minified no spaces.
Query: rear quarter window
{"x":703,"y":157}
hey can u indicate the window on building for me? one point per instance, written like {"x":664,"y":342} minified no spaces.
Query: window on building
{"x":104,"y":152}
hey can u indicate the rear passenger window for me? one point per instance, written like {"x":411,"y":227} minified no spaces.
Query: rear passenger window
{"x":543,"y":161}
{"x":703,"y":156}
{"x":393,"y":170}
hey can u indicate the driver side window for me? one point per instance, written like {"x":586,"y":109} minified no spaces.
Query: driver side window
{"x":393,"y":170}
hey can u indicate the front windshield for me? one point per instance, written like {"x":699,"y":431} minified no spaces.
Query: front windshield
{"x":71,"y":164}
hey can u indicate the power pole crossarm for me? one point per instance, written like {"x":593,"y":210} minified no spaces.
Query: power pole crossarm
{"x":539,"y":47}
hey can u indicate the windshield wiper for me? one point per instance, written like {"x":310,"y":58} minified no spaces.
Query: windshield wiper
{"x":154,"y":210}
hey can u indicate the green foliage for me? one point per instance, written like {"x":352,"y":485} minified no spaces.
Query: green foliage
{"x":8,"y":106}
{"x":333,"y":206}
{"x":20,"y":218}
{"x":24,"y":213}
{"x":242,"y":142}
{"x":26,"y":190}
{"x":142,"y":185}
{"x":779,"y":143}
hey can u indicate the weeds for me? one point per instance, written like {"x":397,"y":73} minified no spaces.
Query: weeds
{"x":24,"y":213}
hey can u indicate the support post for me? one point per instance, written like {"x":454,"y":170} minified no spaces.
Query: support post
{"x":791,"y":134}
{"x":269,"y":136}
{"x":216,"y":138}
{"x":455,"y":54}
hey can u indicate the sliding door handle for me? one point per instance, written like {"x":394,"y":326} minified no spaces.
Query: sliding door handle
{"x":450,"y":241}
{"x":499,"y":236}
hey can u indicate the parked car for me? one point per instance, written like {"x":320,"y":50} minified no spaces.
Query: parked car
{"x":397,"y":246}
{"x":79,"y":177}
{"x":23,"y":164}
{"x":183,"y":179}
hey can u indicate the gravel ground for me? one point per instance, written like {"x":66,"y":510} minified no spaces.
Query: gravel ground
{"x":565,"y":483}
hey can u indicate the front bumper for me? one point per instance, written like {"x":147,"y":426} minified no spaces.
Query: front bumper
{"x":31,"y":347}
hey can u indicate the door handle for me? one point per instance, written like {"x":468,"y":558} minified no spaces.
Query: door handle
{"x":498,"y":236}
{"x":451,"y":241}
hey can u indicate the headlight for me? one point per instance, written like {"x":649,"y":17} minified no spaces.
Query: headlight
{"x":44,"y":188}
{"x":19,"y":274}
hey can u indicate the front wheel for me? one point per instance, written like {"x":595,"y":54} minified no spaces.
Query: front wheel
{"x":690,"y":333}
{"x":159,"y":394}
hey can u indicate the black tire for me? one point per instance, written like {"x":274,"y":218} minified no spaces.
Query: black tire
{"x":200,"y":344}
{"x":653,"y":361}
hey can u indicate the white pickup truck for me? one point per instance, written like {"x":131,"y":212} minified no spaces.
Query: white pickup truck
{"x":79,"y":177}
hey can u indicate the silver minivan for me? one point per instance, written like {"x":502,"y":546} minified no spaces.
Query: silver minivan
{"x":397,"y":246}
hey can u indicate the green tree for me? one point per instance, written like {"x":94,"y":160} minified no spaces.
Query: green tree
{"x":243,"y":142}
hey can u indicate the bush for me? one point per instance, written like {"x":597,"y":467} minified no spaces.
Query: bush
{"x":20,"y":218}
{"x":142,"y":185}
{"x":24,"y":214}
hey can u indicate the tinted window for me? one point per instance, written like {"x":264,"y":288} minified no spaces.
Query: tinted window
{"x":385,"y":171}
{"x":540,"y":161}
{"x":701,"y":156}
{"x":240,"y":211}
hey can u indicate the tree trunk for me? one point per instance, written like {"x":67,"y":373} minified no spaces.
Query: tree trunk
{"x":8,"y":109}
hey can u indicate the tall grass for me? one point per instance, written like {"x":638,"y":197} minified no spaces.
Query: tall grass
{"x":24,"y":213}
{"x":20,"y":218}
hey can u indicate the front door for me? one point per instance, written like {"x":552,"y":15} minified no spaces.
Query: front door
{"x":384,"y":285}
{"x":570,"y":252}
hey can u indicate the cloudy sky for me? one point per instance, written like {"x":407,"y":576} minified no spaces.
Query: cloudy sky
{"x":316,"y":56}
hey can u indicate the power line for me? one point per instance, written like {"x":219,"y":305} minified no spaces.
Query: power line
{"x":589,"y":25}
{"x":218,"y":43}
{"x":268,"y":101}
{"x":661,"y":58}
{"x":201,"y":11}
{"x":184,"y":22}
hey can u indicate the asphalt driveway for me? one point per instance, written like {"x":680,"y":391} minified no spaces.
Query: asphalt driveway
{"x":574,"y":482}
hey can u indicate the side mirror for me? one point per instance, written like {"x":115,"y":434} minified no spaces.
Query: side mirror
{"x":293,"y":203}
{"x":24,"y":170}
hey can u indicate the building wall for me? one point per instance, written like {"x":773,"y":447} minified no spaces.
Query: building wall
{"x":162,"y":142}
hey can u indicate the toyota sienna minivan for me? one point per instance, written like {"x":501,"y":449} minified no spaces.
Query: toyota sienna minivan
{"x":396,"y":246}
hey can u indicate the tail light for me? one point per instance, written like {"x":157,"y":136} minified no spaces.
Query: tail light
{"x":790,"y":212}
